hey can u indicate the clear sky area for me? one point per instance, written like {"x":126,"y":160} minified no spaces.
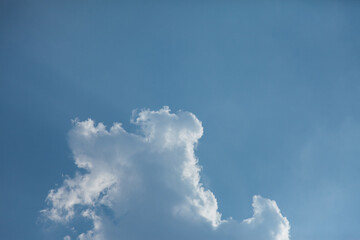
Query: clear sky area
{"x":229,"y":110}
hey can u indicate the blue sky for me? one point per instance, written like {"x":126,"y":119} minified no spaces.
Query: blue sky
{"x":275,"y":84}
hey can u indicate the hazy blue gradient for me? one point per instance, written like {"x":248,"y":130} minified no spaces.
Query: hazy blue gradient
{"x":275,"y":83}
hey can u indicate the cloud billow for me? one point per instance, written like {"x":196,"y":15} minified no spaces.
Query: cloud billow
{"x":147,"y":186}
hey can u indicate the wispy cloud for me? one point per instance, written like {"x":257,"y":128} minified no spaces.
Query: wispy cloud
{"x":147,"y":185}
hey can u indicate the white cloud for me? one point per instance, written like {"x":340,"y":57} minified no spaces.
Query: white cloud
{"x":147,"y":186}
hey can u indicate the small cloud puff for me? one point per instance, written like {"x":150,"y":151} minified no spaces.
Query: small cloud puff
{"x":147,"y":186}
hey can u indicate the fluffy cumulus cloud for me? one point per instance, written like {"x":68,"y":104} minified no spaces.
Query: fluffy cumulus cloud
{"x":147,"y":186}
